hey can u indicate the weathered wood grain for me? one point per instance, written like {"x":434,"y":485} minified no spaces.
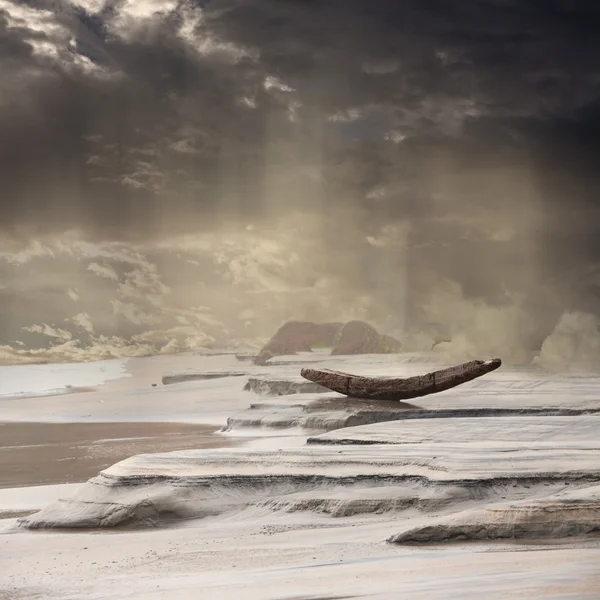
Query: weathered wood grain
{"x":380,"y":388}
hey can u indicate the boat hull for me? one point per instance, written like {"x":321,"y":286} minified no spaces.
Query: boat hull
{"x":389,"y":388}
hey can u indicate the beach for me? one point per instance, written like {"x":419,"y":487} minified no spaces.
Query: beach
{"x":133,"y":491}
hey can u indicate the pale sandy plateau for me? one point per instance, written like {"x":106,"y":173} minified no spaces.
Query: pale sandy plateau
{"x":488,"y":490}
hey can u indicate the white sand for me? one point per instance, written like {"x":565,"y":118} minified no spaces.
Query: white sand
{"x":259,"y":554}
{"x":34,"y":497}
{"x":260,"y":558}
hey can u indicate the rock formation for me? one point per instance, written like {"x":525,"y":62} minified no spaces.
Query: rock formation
{"x":483,"y":464}
{"x":479,"y":478}
{"x":355,"y":337}
{"x":299,"y":336}
{"x":555,"y":516}
{"x":282,"y":387}
{"x":358,"y":337}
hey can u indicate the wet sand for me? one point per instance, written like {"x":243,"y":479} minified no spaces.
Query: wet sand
{"x":43,"y":454}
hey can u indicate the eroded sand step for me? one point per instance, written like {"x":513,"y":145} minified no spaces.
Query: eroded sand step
{"x":148,"y":488}
{"x":563,"y":514}
{"x":200,"y":376}
{"x":267,"y":386}
{"x":332,"y":412}
{"x":515,"y":431}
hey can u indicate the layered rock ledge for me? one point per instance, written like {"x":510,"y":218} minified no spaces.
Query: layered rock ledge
{"x":195,"y":376}
{"x":511,"y":456}
{"x":561,"y":515}
{"x":425,"y":462}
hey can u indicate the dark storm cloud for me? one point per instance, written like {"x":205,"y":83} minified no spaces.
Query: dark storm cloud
{"x":493,"y":84}
{"x":137,"y":125}
{"x":505,"y":54}
{"x":101,"y":148}
{"x":427,"y":67}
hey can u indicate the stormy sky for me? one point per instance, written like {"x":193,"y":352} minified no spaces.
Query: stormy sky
{"x":422,"y":153}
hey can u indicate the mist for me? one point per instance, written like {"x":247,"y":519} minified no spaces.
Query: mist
{"x":178,"y":175}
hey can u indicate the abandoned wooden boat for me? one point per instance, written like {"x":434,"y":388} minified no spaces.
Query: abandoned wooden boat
{"x":394,"y":388}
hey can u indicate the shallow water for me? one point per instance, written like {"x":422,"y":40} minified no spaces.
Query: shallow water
{"x":42,"y":454}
